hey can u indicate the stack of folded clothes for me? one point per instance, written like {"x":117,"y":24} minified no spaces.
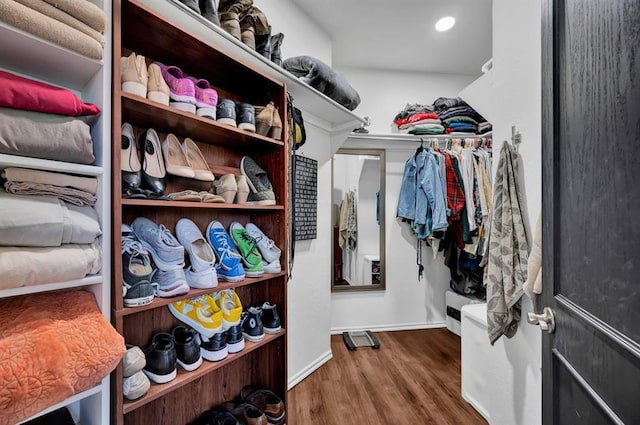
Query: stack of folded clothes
{"x":446,"y":116}
{"x":418,"y":119}
{"x":48,"y":227}
{"x":77,"y":25}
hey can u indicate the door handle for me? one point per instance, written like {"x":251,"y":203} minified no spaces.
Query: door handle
{"x":546,"y":320}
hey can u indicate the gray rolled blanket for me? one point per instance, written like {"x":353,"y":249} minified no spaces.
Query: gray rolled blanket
{"x":323,"y":78}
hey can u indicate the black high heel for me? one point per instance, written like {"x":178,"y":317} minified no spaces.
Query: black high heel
{"x":129,"y":159}
{"x":154,"y":173}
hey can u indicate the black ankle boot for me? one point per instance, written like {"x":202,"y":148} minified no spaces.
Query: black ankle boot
{"x":263,"y":44}
{"x":276,"y":52}
{"x":209,"y":11}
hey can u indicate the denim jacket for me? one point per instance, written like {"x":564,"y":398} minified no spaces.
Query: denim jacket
{"x":422,"y":200}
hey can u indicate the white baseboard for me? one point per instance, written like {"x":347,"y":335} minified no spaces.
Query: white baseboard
{"x":390,"y":328}
{"x":312,"y":367}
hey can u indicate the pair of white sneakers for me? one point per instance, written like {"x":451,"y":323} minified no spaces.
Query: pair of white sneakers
{"x":135,"y":383}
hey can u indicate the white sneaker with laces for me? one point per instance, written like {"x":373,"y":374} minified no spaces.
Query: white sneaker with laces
{"x":270,"y":252}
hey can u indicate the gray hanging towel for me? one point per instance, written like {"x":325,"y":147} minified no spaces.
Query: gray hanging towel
{"x":506,"y":269}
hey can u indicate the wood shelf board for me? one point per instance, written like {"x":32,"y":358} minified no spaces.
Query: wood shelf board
{"x":203,"y":205}
{"x":160,"y":302}
{"x":150,"y":114}
{"x":49,"y":165}
{"x":307,"y":98}
{"x":46,"y":287}
{"x":184,"y":378}
{"x":32,"y":56}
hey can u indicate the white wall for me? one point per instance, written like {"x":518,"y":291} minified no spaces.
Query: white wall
{"x":302,"y":36}
{"x":309,"y":289}
{"x":406,"y":303}
{"x":510,"y":95}
{"x":385,"y":93}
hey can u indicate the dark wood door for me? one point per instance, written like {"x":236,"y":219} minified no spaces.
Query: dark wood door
{"x":591,"y":211}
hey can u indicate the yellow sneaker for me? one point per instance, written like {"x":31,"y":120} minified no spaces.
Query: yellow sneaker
{"x":229,"y":302}
{"x":199,"y":314}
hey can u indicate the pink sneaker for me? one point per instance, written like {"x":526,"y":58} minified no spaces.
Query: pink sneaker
{"x":206,"y":98}
{"x":182,"y":92}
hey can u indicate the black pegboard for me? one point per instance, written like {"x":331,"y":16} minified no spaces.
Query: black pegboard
{"x":306,"y":206}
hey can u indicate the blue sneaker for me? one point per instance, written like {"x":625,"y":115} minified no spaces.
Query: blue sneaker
{"x":229,"y":265}
{"x":166,"y":251}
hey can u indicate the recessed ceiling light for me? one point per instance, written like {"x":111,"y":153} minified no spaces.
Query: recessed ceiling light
{"x":445,"y":24}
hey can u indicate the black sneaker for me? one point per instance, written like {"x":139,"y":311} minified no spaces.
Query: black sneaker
{"x":214,"y":349}
{"x":235,"y":341}
{"x":136,"y":271}
{"x":226,"y":112}
{"x":270,"y":318}
{"x":251,"y":323}
{"x":246,"y":117}
{"x":161,"y":359}
{"x":187,"y":349}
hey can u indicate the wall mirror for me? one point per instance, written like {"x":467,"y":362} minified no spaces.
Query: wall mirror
{"x":358,"y":177}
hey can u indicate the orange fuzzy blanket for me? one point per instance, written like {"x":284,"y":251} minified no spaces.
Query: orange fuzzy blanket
{"x":52,"y":345}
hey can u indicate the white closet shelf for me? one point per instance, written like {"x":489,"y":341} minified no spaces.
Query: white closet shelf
{"x":49,"y":165}
{"x":27,"y":54}
{"x":45,"y":287}
{"x":306,"y":98}
{"x":398,"y":140}
{"x":73,"y":399}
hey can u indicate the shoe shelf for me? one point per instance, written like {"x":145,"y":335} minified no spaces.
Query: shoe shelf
{"x":307,"y":98}
{"x":148,"y":113}
{"x":84,"y":395}
{"x":139,"y":28}
{"x":184,"y":377}
{"x":159,"y":302}
{"x":205,"y":205}
{"x":46,"y":287}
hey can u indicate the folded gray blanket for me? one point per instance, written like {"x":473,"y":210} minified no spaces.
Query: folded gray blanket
{"x":323,"y":78}
{"x":48,"y":136}
{"x":60,"y":15}
{"x":33,"y":22}
{"x":67,"y":194}
{"x":84,"y":11}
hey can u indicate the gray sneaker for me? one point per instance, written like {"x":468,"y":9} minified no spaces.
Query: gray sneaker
{"x":270,"y":252}
{"x":258,"y":181}
{"x":166,"y":251}
{"x":170,"y":283}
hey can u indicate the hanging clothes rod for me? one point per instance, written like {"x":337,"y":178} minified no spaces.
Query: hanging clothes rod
{"x":412,"y":138}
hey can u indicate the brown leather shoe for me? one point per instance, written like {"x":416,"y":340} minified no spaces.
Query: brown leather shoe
{"x":267,"y":402}
{"x":246,"y":413}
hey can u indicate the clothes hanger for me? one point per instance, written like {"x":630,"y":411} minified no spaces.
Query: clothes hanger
{"x":421,"y":147}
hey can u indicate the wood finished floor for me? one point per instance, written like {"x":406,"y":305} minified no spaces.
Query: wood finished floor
{"x":413,"y":379}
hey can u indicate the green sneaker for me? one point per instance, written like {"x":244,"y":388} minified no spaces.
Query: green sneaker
{"x":251,"y":258}
{"x":261,"y":192}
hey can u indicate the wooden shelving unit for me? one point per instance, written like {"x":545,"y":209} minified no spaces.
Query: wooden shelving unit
{"x":139,"y":28}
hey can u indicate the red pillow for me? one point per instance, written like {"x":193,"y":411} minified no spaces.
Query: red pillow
{"x":22,"y":93}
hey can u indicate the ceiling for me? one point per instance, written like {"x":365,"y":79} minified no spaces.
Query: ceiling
{"x":400,"y":34}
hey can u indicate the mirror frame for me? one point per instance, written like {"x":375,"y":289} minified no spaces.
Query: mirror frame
{"x":382,"y":228}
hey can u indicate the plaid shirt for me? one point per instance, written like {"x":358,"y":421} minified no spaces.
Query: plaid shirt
{"x":455,"y":194}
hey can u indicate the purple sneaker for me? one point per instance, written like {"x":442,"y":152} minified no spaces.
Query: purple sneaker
{"x":182,"y":92}
{"x":206,"y":98}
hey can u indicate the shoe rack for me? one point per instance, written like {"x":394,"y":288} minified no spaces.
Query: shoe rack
{"x":30,"y":56}
{"x":137,"y":28}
